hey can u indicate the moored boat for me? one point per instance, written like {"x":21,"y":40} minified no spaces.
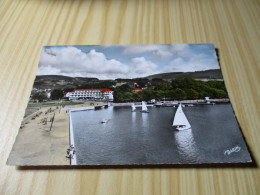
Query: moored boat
{"x":133,"y":107}
{"x":144,"y":108}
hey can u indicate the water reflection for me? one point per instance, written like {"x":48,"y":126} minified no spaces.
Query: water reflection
{"x":141,"y":138}
{"x":133,"y":116}
{"x":186,"y":145}
{"x":145,"y":119}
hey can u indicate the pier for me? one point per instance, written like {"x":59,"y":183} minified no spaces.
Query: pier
{"x":79,"y":108}
{"x":73,"y":159}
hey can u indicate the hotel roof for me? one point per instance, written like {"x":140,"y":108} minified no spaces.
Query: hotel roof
{"x":137,"y":89}
{"x":100,"y":89}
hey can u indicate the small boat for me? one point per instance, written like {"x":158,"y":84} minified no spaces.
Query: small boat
{"x":180,"y":121}
{"x":104,"y":121}
{"x":133,"y":107}
{"x":158,"y":104}
{"x":144,"y":107}
{"x":167,"y":105}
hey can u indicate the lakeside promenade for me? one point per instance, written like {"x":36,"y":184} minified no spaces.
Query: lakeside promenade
{"x":44,"y":135}
{"x":198,"y":101}
{"x":43,"y":138}
{"x":41,"y":141}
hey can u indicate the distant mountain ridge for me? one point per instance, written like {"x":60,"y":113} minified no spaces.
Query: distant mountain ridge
{"x":62,"y":82}
{"x":59,"y":81}
{"x":206,"y":74}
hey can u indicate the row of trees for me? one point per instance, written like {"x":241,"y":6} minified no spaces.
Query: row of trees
{"x":177,"y":89}
{"x":102,"y":84}
{"x":55,"y":95}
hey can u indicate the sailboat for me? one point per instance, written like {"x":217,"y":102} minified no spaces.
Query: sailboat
{"x":144,"y":107}
{"x":133,"y":107}
{"x":104,"y":121}
{"x":180,"y":121}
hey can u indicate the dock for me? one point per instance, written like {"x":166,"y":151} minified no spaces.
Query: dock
{"x":73,"y":159}
{"x":79,"y":108}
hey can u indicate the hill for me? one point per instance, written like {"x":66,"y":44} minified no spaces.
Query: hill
{"x":200,"y":75}
{"x":62,"y":82}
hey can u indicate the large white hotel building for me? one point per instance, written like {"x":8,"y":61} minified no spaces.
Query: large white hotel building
{"x":103,"y":93}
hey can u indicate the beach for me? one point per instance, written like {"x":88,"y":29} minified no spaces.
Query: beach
{"x":43,"y":138}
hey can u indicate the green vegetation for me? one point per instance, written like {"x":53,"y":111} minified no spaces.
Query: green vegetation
{"x":123,"y":80}
{"x":141,"y":82}
{"x":38,"y":83}
{"x":177,"y":89}
{"x":102,"y":84}
{"x":123,"y":93}
{"x":56,"y":94}
{"x":40,"y":96}
{"x":52,"y":104}
{"x":68,"y":89}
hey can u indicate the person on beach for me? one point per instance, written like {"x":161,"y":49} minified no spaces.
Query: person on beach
{"x":73,"y":150}
{"x":71,"y":154}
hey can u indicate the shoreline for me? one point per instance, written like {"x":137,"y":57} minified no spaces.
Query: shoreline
{"x":44,"y":136}
{"x":175,"y":102}
{"x":38,"y":143}
{"x":73,"y":159}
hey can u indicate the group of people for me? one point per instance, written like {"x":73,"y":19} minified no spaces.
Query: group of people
{"x":71,"y":151}
{"x":36,"y":115}
{"x":44,"y":121}
{"x":49,"y":111}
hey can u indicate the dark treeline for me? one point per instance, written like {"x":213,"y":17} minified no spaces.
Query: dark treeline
{"x":102,"y":84}
{"x":177,"y":89}
{"x":159,"y":89}
{"x":56,"y":94}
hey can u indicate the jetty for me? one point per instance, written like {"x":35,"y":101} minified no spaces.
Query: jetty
{"x":69,"y":110}
{"x":73,"y":158}
{"x":82,"y":108}
{"x":45,"y":134}
{"x":79,"y":108}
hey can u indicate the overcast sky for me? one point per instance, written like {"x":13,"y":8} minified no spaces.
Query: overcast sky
{"x":125,"y":61}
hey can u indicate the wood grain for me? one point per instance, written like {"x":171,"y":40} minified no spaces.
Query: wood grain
{"x":234,"y":28}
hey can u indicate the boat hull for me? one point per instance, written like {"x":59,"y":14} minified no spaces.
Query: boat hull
{"x":182,"y":128}
{"x":144,"y":111}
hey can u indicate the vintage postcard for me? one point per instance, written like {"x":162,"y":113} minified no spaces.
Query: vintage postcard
{"x":129,"y":105}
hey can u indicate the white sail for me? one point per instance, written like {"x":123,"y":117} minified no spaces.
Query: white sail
{"x":133,"y":107}
{"x":180,"y":119}
{"x":144,"y":107}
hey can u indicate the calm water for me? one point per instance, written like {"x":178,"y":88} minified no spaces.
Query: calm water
{"x":149,"y":138}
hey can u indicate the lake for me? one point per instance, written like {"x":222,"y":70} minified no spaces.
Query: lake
{"x":148,"y":138}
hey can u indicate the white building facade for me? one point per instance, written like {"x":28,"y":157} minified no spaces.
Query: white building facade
{"x":102,"y":94}
{"x":48,"y":94}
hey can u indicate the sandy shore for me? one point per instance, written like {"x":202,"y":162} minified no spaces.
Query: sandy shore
{"x":43,"y":144}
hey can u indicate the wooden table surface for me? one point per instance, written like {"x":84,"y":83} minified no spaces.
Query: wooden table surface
{"x":234,"y":28}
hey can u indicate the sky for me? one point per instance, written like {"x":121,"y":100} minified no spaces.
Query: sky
{"x":125,"y":61}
